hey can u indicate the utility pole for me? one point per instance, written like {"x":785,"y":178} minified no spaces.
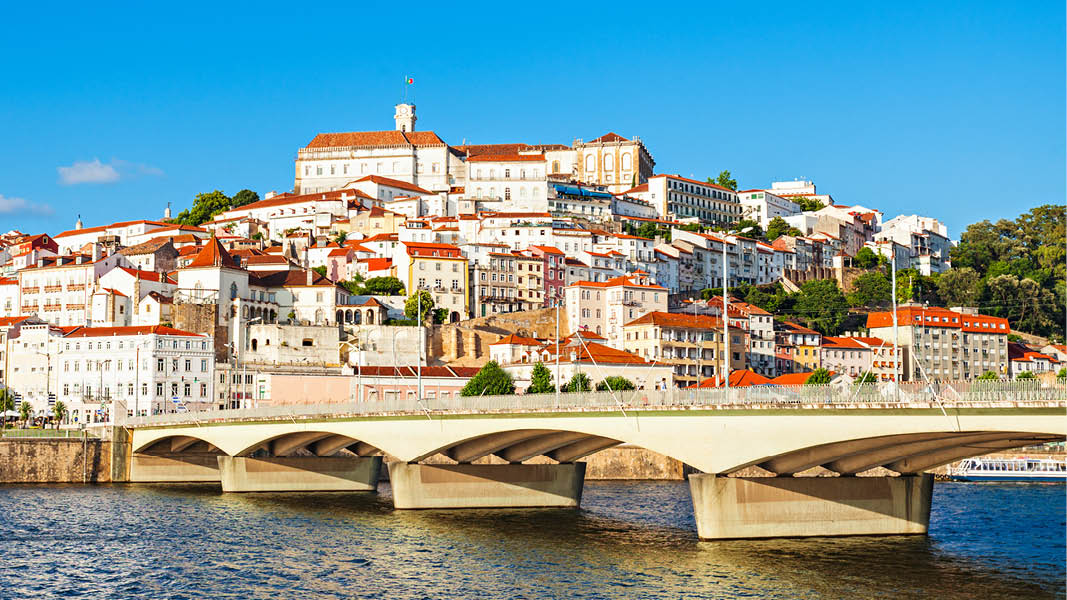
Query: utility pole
{"x":557,"y":347}
{"x":725,"y":319}
{"x":418,"y":301}
{"x":896,"y":332}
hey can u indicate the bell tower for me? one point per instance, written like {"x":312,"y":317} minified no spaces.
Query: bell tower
{"x":405,"y":117}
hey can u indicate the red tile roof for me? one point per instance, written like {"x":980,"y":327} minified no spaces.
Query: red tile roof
{"x":507,"y":158}
{"x":611,"y":136}
{"x":908,"y":316}
{"x":617,"y":281}
{"x":792,"y":378}
{"x":134,"y":330}
{"x":669,"y":319}
{"x":375,"y":138}
{"x":212,"y":255}
{"x":516,"y":340}
{"x":147,"y":275}
{"x":738,"y":378}
{"x":396,"y":183}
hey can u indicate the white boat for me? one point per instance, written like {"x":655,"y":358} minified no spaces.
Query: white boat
{"x":1010,"y":469}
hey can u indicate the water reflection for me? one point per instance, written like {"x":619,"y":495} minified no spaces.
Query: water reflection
{"x":630,"y":540}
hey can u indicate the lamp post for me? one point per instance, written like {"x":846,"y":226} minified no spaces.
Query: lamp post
{"x":725,"y":306}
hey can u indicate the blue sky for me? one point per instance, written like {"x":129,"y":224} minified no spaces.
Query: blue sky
{"x":955,"y":110}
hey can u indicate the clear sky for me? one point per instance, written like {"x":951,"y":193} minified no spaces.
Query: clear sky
{"x":954,"y":110}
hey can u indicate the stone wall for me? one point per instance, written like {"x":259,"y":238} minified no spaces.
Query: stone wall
{"x":203,"y":318}
{"x":44,"y":460}
{"x":467,"y":343}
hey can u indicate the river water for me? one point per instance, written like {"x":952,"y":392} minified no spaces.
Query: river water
{"x":629,"y":540}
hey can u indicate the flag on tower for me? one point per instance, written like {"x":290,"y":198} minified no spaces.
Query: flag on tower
{"x":411,"y":80}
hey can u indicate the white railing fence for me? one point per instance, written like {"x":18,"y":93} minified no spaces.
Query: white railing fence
{"x":934,"y":395}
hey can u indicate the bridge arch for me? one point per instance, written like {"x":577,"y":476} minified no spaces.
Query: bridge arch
{"x":519,"y":444}
{"x":319,"y":443}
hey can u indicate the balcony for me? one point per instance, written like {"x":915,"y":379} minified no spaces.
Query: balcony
{"x":75,"y":287}
{"x":52,"y":289}
{"x":30,"y":290}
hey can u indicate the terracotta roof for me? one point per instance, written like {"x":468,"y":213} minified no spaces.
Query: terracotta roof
{"x":266,"y":259}
{"x":738,"y":378}
{"x":792,"y":378}
{"x":617,"y":281}
{"x":916,"y":315}
{"x":396,"y":183}
{"x":516,"y":340}
{"x":842,"y":342}
{"x":147,"y":275}
{"x":212,"y":255}
{"x":289,"y":278}
{"x":432,"y":250}
{"x":472,"y":150}
{"x":611,"y":136}
{"x":377,"y":264}
{"x":8,"y":321}
{"x":637,"y":190}
{"x":507,"y":158}
{"x":375,"y":138}
{"x":134,"y":330}
{"x":148,"y":247}
{"x":669,"y":319}
{"x":797,"y":328}
{"x":687,"y":180}
{"x":548,"y":249}
{"x":339,"y":252}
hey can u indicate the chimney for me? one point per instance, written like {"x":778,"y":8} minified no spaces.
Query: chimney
{"x":96,"y":252}
{"x":309,"y":276}
{"x":80,"y":259}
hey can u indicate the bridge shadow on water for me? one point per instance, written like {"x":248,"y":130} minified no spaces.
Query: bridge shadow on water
{"x":635,"y":537}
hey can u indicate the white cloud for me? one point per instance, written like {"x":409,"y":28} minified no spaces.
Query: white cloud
{"x":87,"y":172}
{"x":21,"y":206}
{"x":95,"y":171}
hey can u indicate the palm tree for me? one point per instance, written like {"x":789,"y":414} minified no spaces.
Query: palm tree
{"x":59,"y":411}
{"x":7,"y":402}
{"x":25,"y":412}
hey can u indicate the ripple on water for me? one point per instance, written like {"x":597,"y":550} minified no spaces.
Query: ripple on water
{"x":630,"y":540}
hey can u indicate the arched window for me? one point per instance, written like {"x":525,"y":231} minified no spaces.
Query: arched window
{"x":233,"y":291}
{"x":627,"y":162}
{"x":370,"y":317}
{"x":609,"y":162}
{"x":357,"y":317}
{"x":590,"y":162}
{"x":255,"y":344}
{"x":555,"y":166}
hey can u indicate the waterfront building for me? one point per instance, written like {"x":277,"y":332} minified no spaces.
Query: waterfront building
{"x":692,"y":345}
{"x":605,"y":306}
{"x":938,"y":343}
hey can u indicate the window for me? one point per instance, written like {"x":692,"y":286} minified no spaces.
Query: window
{"x":159,"y":389}
{"x":159,"y":365}
{"x":203,"y":365}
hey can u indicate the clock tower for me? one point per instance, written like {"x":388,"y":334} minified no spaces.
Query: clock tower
{"x":405,"y":117}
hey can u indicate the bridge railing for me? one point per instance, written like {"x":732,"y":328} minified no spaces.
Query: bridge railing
{"x":935,"y":395}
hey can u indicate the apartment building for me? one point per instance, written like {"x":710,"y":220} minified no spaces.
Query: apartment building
{"x":692,"y":345}
{"x":938,"y":343}
{"x":605,"y":306}
{"x":679,"y":198}
{"x":439,"y":268}
{"x":763,"y":206}
{"x":507,"y":282}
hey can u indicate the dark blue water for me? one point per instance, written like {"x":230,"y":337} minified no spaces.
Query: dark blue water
{"x":630,"y":540}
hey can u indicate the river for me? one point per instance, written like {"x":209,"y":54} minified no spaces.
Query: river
{"x":629,"y":540}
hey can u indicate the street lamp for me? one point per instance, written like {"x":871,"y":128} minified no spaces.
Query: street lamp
{"x":725,"y":305}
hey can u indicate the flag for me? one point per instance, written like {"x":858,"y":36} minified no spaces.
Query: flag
{"x":411,"y":80}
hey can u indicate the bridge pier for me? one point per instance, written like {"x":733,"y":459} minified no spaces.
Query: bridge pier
{"x":763,"y":507}
{"x":486,"y":486}
{"x":174,"y":468}
{"x":299,"y":473}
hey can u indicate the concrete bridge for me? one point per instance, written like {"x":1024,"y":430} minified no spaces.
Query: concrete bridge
{"x":541,"y":440}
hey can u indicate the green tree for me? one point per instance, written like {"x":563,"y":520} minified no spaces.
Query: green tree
{"x":822,"y":306}
{"x":867,"y":377}
{"x":755,"y":231}
{"x":25,"y":412}
{"x":490,"y":380}
{"x":865,"y":259}
{"x":59,"y":411}
{"x":1062,"y":374}
{"x":257,"y":236}
{"x":411,"y":306}
{"x":817,"y":377}
{"x":776,"y":228}
{"x":540,"y":380}
{"x":960,"y":287}
{"x":440,"y":315}
{"x":205,"y":206}
{"x":321,"y":270}
{"x":724,"y":180}
{"x":871,"y":289}
{"x":244,"y":197}
{"x":1025,"y":375}
{"x":807,"y":204}
{"x":340,"y":237}
{"x":579,"y":382}
{"x":7,"y":403}
{"x":989,"y":376}
{"x":384,"y":286}
{"x":615,"y":383}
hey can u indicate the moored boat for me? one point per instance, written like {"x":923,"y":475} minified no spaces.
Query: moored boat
{"x":1010,"y":469}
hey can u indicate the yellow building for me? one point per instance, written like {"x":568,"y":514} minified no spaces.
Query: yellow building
{"x":440,"y":269}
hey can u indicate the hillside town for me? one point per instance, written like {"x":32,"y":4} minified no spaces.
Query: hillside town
{"x":400,"y":266}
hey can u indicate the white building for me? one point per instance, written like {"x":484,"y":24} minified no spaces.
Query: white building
{"x":142,"y":370}
{"x":508,"y":182}
{"x":764,"y":206}
{"x":926,"y":238}
{"x":604,"y":307}
{"x":331,"y":160}
{"x":678,"y":198}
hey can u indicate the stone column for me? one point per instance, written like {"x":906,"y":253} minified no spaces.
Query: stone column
{"x":486,"y":486}
{"x":300,"y":473}
{"x":174,"y":468}
{"x":762,"y":507}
